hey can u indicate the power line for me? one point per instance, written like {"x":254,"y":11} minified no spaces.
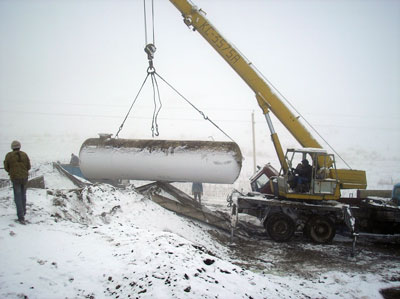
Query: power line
{"x":193,"y":119}
{"x":35,"y":103}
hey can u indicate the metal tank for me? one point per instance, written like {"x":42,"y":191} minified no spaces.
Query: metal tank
{"x":107,"y":158}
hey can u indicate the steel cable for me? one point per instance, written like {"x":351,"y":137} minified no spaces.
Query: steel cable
{"x":152,"y":22}
{"x":305,"y":120}
{"x":134,"y":101}
{"x":198,"y":110}
{"x":156,"y":92}
{"x":145,"y":22}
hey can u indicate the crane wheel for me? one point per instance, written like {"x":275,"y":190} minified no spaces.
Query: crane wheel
{"x":320,"y":229}
{"x":280,"y":227}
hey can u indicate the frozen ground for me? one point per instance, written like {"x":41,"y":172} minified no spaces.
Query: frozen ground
{"x":101,"y":242}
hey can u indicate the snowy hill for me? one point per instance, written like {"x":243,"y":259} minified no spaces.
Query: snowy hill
{"x":102,"y":242}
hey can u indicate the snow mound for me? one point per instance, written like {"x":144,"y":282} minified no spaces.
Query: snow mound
{"x":52,"y":177}
{"x":102,"y":242}
{"x":103,"y":204}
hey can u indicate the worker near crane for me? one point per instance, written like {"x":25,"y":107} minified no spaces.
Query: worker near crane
{"x":303,"y":176}
{"x":197,"y":191}
{"x":17,"y":164}
{"x":74,"y":160}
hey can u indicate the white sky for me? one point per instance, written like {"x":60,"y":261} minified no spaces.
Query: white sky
{"x":72,"y":68}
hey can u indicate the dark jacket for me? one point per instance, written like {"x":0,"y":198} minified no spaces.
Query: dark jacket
{"x":304,"y":170}
{"x":17,"y":164}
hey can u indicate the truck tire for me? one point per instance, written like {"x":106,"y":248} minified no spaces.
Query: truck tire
{"x":320,"y":229}
{"x":280,"y":227}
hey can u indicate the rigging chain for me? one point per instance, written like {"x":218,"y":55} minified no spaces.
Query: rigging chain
{"x":129,"y":111}
{"x":156,"y":94}
{"x":154,"y":124}
{"x":150,"y":49}
{"x":197,"y":109}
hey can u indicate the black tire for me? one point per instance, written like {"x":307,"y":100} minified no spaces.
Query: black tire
{"x":320,"y":229}
{"x":280,"y":227}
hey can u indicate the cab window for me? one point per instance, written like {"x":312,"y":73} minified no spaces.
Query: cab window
{"x":261,"y":181}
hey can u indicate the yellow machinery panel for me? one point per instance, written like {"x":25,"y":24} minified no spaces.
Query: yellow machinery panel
{"x":349,"y":178}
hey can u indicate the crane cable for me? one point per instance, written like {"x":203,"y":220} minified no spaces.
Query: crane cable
{"x":150,"y":49}
{"x":305,"y":120}
{"x":129,"y":111}
{"x":145,"y":21}
{"x":197,"y":109}
{"x":152,"y":72}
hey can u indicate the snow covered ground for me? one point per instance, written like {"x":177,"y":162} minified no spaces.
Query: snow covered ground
{"x":102,"y":242}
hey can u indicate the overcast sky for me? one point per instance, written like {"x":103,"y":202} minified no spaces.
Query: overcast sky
{"x":73,"y":68}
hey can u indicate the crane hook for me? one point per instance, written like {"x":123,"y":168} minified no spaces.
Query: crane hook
{"x":150,"y":49}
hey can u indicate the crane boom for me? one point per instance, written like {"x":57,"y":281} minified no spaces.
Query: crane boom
{"x":266,"y":97}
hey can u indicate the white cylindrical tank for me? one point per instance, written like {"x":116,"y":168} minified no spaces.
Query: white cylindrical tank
{"x":160,"y":160}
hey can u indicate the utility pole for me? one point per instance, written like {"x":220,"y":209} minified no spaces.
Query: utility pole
{"x":254,"y":142}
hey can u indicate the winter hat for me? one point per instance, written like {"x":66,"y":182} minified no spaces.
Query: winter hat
{"x":15,"y":145}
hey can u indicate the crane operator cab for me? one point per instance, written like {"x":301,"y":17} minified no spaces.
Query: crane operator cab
{"x":311,"y":175}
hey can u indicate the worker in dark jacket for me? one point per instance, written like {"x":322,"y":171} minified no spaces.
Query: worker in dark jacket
{"x":303,"y":178}
{"x":17,"y":165}
{"x":74,"y":160}
{"x":305,"y":170}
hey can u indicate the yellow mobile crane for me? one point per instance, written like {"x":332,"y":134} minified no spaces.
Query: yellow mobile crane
{"x":287,"y":201}
{"x":326,"y":180}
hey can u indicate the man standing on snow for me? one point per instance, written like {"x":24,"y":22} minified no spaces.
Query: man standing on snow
{"x":197,"y":191}
{"x":17,"y":165}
